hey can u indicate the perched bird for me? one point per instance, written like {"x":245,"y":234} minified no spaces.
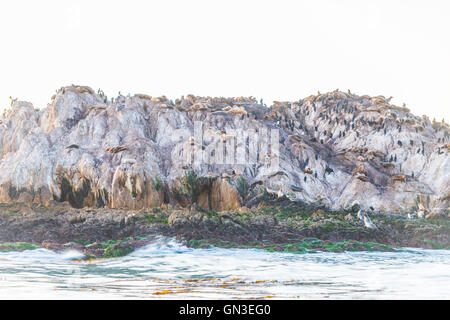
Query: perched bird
{"x":270,"y":191}
{"x":360,"y":215}
{"x":409,"y":216}
{"x":421,"y":212}
{"x":235,"y":172}
{"x":12,"y":100}
{"x":368,"y":223}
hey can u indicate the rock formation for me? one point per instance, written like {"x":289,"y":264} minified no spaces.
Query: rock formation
{"x":337,"y":149}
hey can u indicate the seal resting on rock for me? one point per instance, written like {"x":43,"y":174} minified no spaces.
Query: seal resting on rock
{"x":368,"y":223}
{"x":399,"y":177}
{"x":432,"y":215}
{"x":360,"y":215}
{"x":308,"y":170}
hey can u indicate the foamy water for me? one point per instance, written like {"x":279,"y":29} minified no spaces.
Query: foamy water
{"x":166,"y":269}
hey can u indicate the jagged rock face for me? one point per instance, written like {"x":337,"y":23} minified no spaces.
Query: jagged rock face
{"x":335,"y":149}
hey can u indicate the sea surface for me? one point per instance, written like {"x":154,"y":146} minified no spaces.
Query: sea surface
{"x":166,"y":269}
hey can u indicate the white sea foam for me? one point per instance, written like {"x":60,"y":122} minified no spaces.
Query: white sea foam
{"x":406,"y":274}
{"x":42,"y":254}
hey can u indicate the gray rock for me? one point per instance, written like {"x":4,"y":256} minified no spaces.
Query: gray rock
{"x":369,"y":166}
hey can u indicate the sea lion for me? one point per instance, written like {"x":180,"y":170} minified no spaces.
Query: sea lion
{"x":308,"y":170}
{"x":368,"y":223}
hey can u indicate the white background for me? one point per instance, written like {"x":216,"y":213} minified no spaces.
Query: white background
{"x":278,"y":50}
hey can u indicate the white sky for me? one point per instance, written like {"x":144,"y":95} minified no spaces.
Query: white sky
{"x":278,"y":50}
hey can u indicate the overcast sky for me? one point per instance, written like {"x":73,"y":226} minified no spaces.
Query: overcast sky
{"x":277,"y":50}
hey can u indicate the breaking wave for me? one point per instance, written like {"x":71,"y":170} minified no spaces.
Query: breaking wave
{"x":166,"y":268}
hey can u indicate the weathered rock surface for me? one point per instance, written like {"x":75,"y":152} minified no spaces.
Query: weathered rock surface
{"x":335,"y":149}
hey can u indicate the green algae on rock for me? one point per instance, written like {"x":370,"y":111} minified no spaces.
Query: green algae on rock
{"x":307,"y":245}
{"x":17,"y":246}
{"x":118,"y":250}
{"x":275,"y":224}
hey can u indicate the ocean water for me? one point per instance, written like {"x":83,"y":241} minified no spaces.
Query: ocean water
{"x":165,"y":269}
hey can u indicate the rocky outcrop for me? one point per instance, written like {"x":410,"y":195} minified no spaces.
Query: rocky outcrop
{"x":337,"y":150}
{"x":101,"y":231}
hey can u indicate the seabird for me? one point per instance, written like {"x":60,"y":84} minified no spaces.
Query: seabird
{"x":270,"y":191}
{"x":280,"y":194}
{"x":360,"y":215}
{"x":421,"y":212}
{"x":368,"y":223}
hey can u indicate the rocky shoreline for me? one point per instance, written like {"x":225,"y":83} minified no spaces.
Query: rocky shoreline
{"x":273,"y":225}
{"x":105,"y":176}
